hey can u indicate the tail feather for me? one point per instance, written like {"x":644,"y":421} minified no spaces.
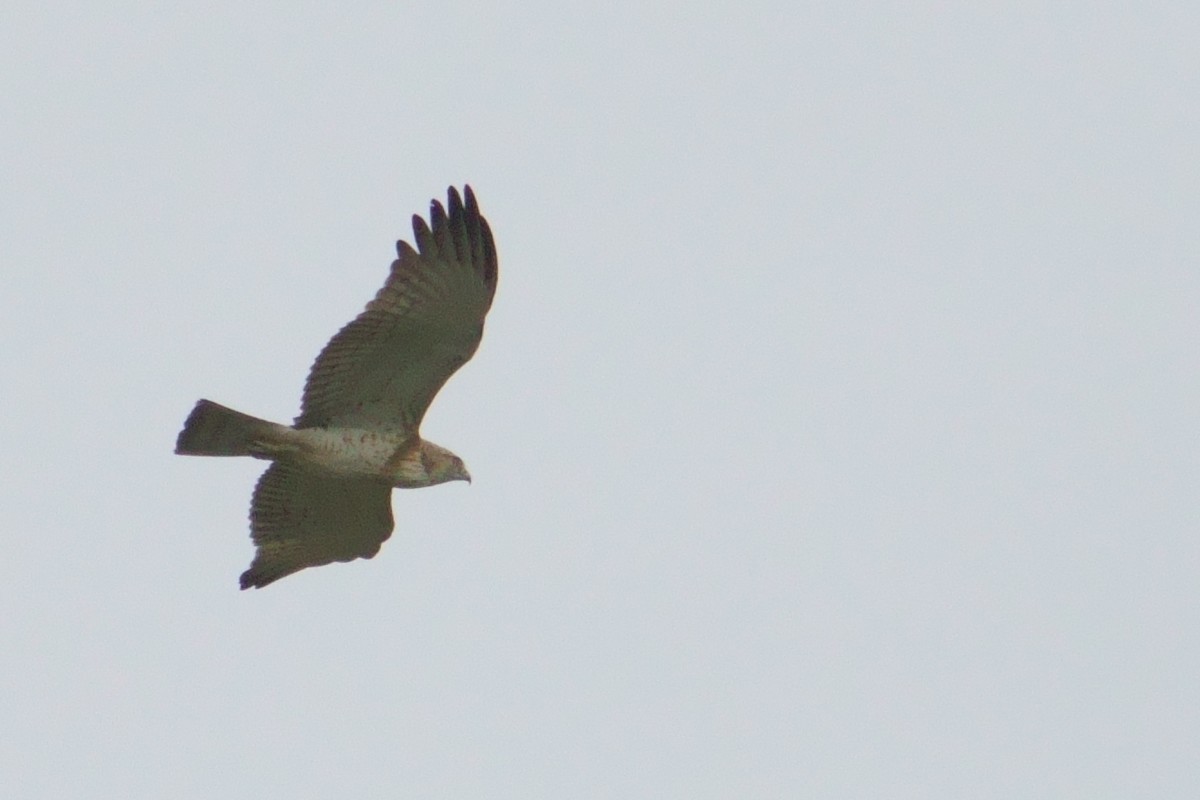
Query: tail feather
{"x":214,"y":430}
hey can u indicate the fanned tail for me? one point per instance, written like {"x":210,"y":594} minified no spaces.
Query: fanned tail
{"x":214,"y":430}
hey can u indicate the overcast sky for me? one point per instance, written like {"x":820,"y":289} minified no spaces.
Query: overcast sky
{"x":834,"y":433}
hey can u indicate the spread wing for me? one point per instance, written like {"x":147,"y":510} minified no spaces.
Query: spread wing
{"x":304,"y":519}
{"x":383,"y":369}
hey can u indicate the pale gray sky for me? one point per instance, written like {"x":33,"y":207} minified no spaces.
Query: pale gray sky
{"x":835,"y":431}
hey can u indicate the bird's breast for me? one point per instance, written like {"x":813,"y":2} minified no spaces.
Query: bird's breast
{"x":356,"y":452}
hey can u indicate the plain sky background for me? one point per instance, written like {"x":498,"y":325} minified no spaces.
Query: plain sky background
{"x":835,"y":430}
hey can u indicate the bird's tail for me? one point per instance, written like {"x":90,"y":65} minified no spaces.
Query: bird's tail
{"x":214,"y":430}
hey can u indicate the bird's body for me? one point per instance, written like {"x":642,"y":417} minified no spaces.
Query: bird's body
{"x":327,"y":496}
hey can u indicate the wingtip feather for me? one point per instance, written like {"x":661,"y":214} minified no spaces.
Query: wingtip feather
{"x":455,"y":203}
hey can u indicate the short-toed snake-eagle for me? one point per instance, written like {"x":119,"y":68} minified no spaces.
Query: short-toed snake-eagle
{"x":327,"y":495}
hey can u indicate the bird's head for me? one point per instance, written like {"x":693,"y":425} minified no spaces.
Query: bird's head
{"x":441,"y":465}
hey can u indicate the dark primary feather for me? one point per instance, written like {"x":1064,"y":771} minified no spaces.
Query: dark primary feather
{"x":384,"y":368}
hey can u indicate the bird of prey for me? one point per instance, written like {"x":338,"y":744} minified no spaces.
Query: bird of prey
{"x":327,"y":494}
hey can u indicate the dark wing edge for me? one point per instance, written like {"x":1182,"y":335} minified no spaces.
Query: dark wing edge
{"x":454,"y":241}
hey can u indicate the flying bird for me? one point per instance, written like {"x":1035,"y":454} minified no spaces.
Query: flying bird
{"x":327,"y":494}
